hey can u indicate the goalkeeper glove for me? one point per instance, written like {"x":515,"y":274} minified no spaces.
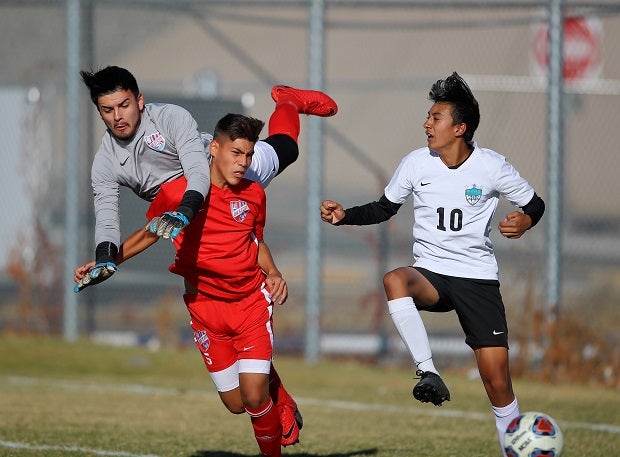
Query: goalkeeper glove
{"x":168,"y":225}
{"x":97,"y":273}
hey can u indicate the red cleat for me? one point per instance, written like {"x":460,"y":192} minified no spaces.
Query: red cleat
{"x":292,"y":422}
{"x":311,"y":102}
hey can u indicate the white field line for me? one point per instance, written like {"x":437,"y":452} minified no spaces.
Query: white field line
{"x":139,"y":389}
{"x":81,"y":450}
{"x":335,"y":404}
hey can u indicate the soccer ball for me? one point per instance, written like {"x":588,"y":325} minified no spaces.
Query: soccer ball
{"x":533,"y":434}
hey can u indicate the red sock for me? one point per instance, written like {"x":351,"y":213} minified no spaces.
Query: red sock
{"x":285,"y":120}
{"x":267,"y":428}
{"x":276,"y":389}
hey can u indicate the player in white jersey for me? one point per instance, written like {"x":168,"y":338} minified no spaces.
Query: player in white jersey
{"x":455,"y":186}
{"x":146,"y":145}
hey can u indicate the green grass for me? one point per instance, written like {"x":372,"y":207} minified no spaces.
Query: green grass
{"x":59,"y":399}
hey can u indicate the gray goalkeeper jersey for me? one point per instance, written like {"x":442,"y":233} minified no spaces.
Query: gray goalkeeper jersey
{"x":166,"y":146}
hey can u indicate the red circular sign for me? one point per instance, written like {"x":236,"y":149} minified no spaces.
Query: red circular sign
{"x":581,"y":48}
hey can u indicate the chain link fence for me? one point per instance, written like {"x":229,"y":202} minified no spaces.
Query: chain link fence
{"x":380,"y":60}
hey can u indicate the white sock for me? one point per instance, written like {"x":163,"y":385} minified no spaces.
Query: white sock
{"x":411,"y":329}
{"x":503,"y":417}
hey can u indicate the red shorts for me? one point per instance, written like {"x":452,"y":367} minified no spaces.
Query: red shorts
{"x":226,"y":332}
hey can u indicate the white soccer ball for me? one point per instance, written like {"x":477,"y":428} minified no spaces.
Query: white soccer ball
{"x":533,"y":434}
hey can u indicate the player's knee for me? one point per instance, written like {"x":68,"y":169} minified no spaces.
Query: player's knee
{"x":254,"y":402}
{"x":394,"y":280}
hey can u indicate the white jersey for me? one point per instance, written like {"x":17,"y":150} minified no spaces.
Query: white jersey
{"x":453,"y":208}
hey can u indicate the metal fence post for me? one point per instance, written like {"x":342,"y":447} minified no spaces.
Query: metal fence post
{"x":72,"y":107}
{"x":314,"y":283}
{"x":555,"y":160}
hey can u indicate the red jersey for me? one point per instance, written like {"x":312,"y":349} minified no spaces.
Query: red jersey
{"x":218,"y":252}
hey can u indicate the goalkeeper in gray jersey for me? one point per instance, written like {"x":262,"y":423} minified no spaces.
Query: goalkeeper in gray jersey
{"x":146,"y":145}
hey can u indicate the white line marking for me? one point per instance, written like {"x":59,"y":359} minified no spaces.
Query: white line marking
{"x":335,"y":404}
{"x":609,"y":428}
{"x":36,"y":447}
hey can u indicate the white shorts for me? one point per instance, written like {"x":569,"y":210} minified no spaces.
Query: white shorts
{"x":228,"y":379}
{"x":265,"y":164}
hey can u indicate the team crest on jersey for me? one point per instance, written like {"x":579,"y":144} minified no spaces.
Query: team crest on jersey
{"x":155,"y":141}
{"x":473,"y":195}
{"x":201,"y":339}
{"x":239,"y":210}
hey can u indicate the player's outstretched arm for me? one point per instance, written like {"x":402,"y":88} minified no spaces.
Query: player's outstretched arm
{"x":332,"y":211}
{"x":274,"y":280}
{"x":92,"y":273}
{"x":138,"y":241}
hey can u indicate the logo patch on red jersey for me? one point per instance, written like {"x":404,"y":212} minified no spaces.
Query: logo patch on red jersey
{"x":202,"y":340}
{"x":239,"y":210}
{"x":155,"y":141}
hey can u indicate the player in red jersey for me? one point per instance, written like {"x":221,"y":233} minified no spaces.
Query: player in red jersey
{"x":231,"y":282}
{"x":273,"y":155}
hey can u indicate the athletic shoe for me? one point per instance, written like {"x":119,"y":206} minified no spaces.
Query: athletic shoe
{"x":291,"y":421}
{"x":430,"y":388}
{"x":312,"y":102}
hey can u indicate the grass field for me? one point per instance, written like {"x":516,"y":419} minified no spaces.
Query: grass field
{"x":59,"y":399}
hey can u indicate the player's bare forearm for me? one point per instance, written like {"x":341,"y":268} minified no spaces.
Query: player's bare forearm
{"x":138,"y":241}
{"x":274,"y":280}
{"x":515,"y":225}
{"x":331,"y":211}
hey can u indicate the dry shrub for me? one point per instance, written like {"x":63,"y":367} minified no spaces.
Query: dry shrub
{"x":564,"y":344}
{"x":575,"y":351}
{"x":565,"y":349}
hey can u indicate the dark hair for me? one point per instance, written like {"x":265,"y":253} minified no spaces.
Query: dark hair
{"x":454,"y":90}
{"x":109,"y":80}
{"x":236,"y":126}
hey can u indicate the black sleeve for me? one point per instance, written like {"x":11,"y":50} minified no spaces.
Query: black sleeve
{"x":535,"y":209}
{"x":191,"y":203}
{"x":106,"y":252}
{"x":286,"y":149}
{"x":370,"y":213}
